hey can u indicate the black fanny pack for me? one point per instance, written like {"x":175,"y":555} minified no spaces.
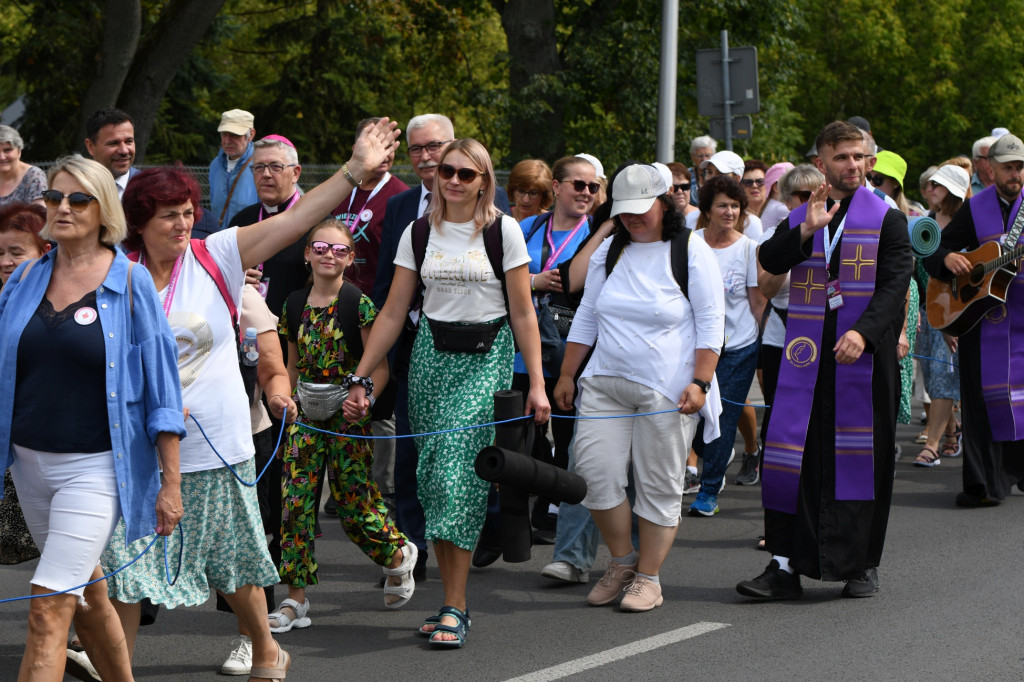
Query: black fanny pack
{"x":458,"y":337}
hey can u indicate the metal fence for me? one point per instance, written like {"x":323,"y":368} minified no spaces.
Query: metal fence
{"x":312,"y":175}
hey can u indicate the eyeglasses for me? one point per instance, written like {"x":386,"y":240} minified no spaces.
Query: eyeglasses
{"x":531,"y":193}
{"x":877,"y":179}
{"x":339,"y":250}
{"x":580,"y":185}
{"x":275,"y":168}
{"x":803,"y":195}
{"x":432,"y":147}
{"x":465,"y":174}
{"x":681,"y":187}
{"x":78,"y":201}
{"x":752,"y":182}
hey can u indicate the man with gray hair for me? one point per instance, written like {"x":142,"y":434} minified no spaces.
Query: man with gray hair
{"x":701,"y":149}
{"x":982,"y":176}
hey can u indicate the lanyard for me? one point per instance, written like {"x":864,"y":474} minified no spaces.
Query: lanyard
{"x":295,"y":197}
{"x":830,"y":243}
{"x":553,"y":259}
{"x":172,"y":285}
{"x":352,"y":197}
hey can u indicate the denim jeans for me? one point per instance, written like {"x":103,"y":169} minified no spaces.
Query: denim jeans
{"x":577,"y":536}
{"x":735,"y":373}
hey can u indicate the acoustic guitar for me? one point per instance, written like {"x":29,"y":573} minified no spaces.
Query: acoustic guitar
{"x":954,"y":307}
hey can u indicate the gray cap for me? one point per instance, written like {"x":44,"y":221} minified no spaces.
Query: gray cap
{"x":636,"y":188}
{"x":1006,"y":148}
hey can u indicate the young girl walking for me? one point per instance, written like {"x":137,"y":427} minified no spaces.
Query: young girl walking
{"x":325,"y":339}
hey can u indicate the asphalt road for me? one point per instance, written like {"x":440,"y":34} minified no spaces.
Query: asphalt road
{"x":949,"y":609}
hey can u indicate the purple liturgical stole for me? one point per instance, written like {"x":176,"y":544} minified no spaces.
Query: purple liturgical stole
{"x":794,"y":397}
{"x":1002,"y":360}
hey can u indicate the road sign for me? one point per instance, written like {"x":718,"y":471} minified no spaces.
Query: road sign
{"x":743,"y":90}
{"x":742,"y":128}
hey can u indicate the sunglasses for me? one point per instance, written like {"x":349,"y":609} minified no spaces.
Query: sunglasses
{"x":804,"y":195}
{"x":78,"y":201}
{"x":339,"y":250}
{"x":580,"y":185}
{"x":752,"y":182}
{"x":876,"y":179}
{"x":465,"y":174}
{"x":681,"y":187}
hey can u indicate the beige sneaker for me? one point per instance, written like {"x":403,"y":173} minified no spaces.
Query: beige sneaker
{"x":642,"y":595}
{"x":611,"y":584}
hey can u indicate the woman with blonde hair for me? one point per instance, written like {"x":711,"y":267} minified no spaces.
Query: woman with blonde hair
{"x":462,"y":355}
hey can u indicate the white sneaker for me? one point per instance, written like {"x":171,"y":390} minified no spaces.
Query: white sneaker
{"x":80,"y":667}
{"x":240,"y":660}
{"x":563,"y":570}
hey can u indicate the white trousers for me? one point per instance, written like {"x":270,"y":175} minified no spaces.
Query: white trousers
{"x":656,"y":446}
{"x":71,"y":507}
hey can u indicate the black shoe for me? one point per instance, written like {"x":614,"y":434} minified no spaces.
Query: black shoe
{"x":971,"y":500}
{"x":774,"y":583}
{"x":485,"y":555}
{"x":543,"y":536}
{"x":864,"y":585}
{"x":330,"y":506}
{"x":419,"y":571}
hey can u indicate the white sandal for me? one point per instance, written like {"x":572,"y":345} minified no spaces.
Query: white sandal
{"x":284,"y":623}
{"x":408,"y":586}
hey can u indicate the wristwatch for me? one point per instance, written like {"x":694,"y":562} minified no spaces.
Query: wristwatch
{"x":704,"y":385}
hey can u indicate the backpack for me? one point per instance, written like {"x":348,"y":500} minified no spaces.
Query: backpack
{"x":493,"y":245}
{"x":679,"y":256}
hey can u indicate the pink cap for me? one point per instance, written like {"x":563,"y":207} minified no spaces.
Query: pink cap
{"x":280,"y":138}
{"x":772,"y":175}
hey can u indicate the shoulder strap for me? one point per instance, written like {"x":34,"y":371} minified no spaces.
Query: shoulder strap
{"x":295,"y":304}
{"x":227,"y":200}
{"x":494,"y":245}
{"x":131,"y":303}
{"x":347,"y":317}
{"x":420,"y":237}
{"x":681,"y":260}
{"x":614,"y":253}
{"x":538,"y":223}
{"x":206,"y":260}
{"x":28,"y":267}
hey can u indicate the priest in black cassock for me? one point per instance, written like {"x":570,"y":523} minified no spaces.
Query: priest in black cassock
{"x":829,"y":453}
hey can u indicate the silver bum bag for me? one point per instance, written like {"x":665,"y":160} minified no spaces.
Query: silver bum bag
{"x":320,"y":402}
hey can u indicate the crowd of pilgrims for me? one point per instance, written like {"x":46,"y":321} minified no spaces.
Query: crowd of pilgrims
{"x":379,"y":309}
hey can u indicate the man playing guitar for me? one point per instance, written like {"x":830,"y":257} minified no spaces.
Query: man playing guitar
{"x":993,"y":418}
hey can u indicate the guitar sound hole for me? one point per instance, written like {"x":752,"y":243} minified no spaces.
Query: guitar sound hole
{"x":977,"y":274}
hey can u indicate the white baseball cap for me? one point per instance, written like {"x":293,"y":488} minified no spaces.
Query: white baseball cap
{"x":954,"y":178}
{"x":726,"y":162}
{"x":636,"y":188}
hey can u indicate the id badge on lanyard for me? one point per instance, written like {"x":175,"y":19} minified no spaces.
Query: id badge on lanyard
{"x":833,"y":291}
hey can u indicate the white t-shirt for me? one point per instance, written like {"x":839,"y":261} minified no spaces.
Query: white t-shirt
{"x":738,"y":263}
{"x":211,"y":385}
{"x":256,"y":314}
{"x":775,"y":330}
{"x":460,"y":284}
{"x":644,"y":329}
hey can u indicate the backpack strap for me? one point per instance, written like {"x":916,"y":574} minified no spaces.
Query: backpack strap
{"x":202,"y":254}
{"x":681,"y":260}
{"x":346,"y":315}
{"x":420,"y":237}
{"x":494,"y":245}
{"x":294,"y":305}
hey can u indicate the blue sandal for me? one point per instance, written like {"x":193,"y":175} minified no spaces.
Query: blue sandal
{"x":460,"y":630}
{"x":429,"y":620}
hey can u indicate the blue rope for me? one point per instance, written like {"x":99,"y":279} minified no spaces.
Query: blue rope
{"x":181,"y":552}
{"x":231,"y":468}
{"x":944,"y":362}
{"x":412,"y":435}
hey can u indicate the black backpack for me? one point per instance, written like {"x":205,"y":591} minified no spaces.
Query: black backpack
{"x":679,"y":256}
{"x":346,"y":315}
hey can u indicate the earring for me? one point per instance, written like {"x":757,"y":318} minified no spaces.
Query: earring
{"x":480,"y":193}
{"x":309,"y":268}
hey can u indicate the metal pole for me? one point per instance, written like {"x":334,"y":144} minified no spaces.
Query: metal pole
{"x":667,"y":87}
{"x":726,"y":93}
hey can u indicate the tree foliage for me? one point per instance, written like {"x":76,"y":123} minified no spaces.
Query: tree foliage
{"x":527,"y":77}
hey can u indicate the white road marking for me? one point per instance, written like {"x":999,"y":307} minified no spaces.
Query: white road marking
{"x":557,"y":672}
